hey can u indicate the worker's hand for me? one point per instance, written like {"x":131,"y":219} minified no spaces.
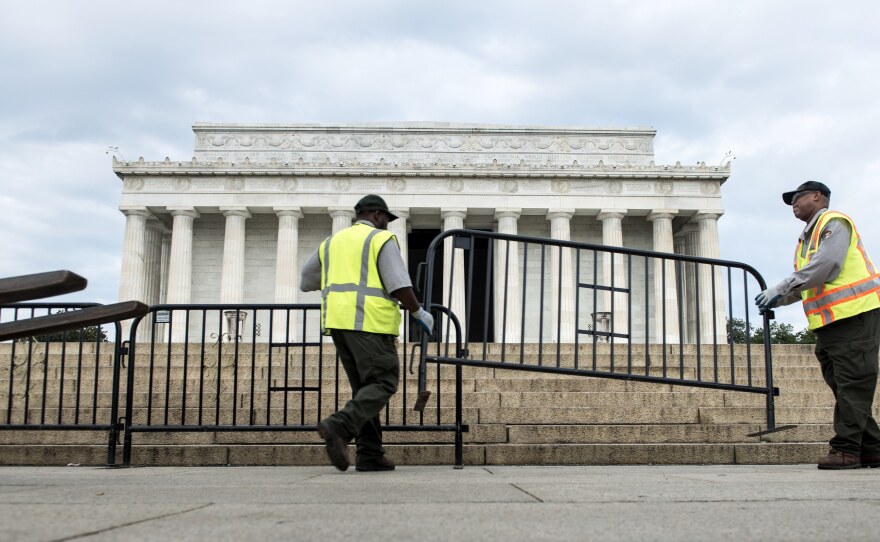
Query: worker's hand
{"x":425,"y":320}
{"x":767,"y":299}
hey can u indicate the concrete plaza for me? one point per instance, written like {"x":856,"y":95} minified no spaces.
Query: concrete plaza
{"x":719,"y":502}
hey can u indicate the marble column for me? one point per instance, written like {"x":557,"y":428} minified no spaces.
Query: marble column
{"x":508,"y":309}
{"x":286,"y":274}
{"x":153,"y":275}
{"x":232,"y":270}
{"x":453,"y":272}
{"x":562,"y":316}
{"x":342,"y":217}
{"x":399,"y":229}
{"x":688,"y":295}
{"x":709,"y":247}
{"x":612,"y":235}
{"x":180,"y":266}
{"x":132,"y":280}
{"x":665,"y":291}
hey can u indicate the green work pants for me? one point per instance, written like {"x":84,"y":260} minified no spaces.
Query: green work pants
{"x":847,"y":351}
{"x":371,"y":364}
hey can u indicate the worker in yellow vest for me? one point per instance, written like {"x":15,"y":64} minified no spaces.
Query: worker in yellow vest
{"x":361,"y":275}
{"x":840,"y":291}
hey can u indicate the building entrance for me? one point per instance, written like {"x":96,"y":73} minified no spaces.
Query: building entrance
{"x":480,"y":322}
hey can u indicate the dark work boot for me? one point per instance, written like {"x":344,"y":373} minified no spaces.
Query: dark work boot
{"x":375,"y":465}
{"x":337,"y":447}
{"x":837,"y":460}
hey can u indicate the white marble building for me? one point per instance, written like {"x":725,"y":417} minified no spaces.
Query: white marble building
{"x":235,"y":223}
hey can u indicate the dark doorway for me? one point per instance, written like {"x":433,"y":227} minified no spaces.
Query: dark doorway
{"x":477,"y":290}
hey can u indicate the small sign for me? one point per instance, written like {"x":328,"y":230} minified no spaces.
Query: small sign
{"x":163,"y":317}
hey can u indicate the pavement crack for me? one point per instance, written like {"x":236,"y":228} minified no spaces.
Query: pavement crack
{"x":527,"y":493}
{"x":130,"y":523}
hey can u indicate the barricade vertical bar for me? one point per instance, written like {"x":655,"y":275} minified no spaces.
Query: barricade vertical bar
{"x":595,"y":299}
{"x":730,"y":320}
{"x":697,"y":318}
{"x":129,"y":388}
{"x":201,"y":366}
{"x":459,"y":453}
{"x":61,"y":379}
{"x":79,"y":360}
{"x":185,"y":374}
{"x":95,"y":386}
{"x":714,"y":323}
{"x":469,"y":290}
{"x":12,"y":374}
{"x":46,"y":380}
{"x":504,"y":312}
{"x":647,"y":319}
{"x":629,"y":313}
{"x":541,"y":315}
{"x":577,"y":306}
{"x":748,"y":325}
{"x":490,"y":287}
{"x":771,"y":413}
{"x":269,"y":362}
{"x":235,"y":371}
{"x":114,"y":399}
{"x":611,"y":337}
{"x":522,"y":305}
{"x":254,"y":361}
{"x":219,"y":366}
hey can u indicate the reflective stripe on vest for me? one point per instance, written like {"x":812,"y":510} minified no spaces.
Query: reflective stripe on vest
{"x":344,"y":273}
{"x":855,"y":289}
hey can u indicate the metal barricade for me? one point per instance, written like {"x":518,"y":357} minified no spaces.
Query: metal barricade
{"x":61,"y":381}
{"x":599,"y":311}
{"x":250,"y":367}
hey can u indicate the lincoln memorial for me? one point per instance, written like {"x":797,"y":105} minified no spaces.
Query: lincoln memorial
{"x":235,"y":223}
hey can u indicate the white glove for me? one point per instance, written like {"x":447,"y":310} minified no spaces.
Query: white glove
{"x":425,"y":320}
{"x":767,"y":299}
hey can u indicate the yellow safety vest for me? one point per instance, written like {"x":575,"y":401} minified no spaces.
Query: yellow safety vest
{"x":854,"y":291}
{"x":352,"y":294}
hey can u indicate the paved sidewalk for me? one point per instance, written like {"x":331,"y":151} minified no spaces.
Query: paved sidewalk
{"x":439,"y":503}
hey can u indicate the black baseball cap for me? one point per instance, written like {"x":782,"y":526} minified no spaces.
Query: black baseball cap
{"x":809,"y":186}
{"x":372,"y":202}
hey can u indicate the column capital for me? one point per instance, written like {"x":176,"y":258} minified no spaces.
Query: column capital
{"x":605,"y":214}
{"x":183,"y":211}
{"x":688,"y":228}
{"x":507,"y":212}
{"x":156,"y":224}
{"x":456,"y":212}
{"x":235,"y":211}
{"x":560,"y":213}
{"x":708,"y":214}
{"x":340,"y":212}
{"x":288,"y":211}
{"x":136,"y":211}
{"x":400,"y":213}
{"x":660,"y":214}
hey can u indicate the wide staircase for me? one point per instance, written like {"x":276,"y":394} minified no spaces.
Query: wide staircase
{"x":514,"y":417}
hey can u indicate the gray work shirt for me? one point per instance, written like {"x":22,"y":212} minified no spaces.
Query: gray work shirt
{"x":825,"y":264}
{"x":392,"y":270}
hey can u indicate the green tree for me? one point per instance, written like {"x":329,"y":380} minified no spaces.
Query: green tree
{"x":87,"y":334}
{"x":779,"y":333}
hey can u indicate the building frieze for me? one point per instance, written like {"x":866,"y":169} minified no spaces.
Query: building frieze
{"x":301,"y":168}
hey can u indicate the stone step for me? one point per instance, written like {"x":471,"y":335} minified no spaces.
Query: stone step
{"x":427,"y":454}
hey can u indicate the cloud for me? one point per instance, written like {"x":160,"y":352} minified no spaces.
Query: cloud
{"x":790,"y":87}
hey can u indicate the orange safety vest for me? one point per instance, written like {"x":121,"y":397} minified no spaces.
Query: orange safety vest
{"x":854,"y":291}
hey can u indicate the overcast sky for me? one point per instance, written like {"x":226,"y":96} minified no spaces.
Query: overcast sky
{"x":791,"y":87}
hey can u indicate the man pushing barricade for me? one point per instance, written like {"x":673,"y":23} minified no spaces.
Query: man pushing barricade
{"x":839,"y":288}
{"x":361,"y":275}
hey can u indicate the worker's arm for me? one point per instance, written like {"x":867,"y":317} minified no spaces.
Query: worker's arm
{"x":310,"y":276}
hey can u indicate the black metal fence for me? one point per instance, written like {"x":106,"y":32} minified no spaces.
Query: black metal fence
{"x":252,"y":368}
{"x":539,"y":304}
{"x":61,"y":381}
